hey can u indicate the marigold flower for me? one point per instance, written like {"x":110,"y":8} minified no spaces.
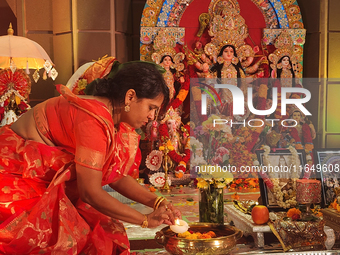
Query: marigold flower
{"x":293,"y":211}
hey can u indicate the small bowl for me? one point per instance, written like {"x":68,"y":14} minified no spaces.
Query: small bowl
{"x":223,"y":244}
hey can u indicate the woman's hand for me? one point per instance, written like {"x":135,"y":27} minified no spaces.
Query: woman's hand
{"x":172,"y":211}
{"x":160,"y":216}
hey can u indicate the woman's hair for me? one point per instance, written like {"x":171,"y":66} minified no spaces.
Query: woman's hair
{"x":143,"y":77}
{"x":218,"y":67}
{"x":279,"y":71}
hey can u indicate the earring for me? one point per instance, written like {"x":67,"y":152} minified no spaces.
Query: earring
{"x":279,"y":66}
{"x":127,"y":108}
{"x":234,"y":60}
{"x":220,"y":60}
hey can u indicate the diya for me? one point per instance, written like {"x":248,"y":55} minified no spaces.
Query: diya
{"x":223,"y":243}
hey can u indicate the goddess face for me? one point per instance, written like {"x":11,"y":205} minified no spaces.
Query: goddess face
{"x":297,"y":116}
{"x":228,"y":53}
{"x":285,"y":62}
{"x":166,"y":62}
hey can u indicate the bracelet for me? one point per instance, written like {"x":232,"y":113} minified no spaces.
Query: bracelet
{"x":157,"y":203}
{"x":145,"y":222}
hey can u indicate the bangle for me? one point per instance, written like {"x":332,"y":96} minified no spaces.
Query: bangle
{"x":145,"y":222}
{"x":158,"y":201}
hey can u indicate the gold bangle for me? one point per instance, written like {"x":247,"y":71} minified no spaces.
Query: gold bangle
{"x":156,"y":201}
{"x":159,"y":203}
{"x":145,"y":222}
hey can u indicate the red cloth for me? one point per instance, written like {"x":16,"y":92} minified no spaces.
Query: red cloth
{"x":40,"y":211}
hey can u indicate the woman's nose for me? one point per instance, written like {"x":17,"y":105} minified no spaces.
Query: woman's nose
{"x":152,"y":115}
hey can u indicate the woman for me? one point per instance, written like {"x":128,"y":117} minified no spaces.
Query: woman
{"x":57,"y":156}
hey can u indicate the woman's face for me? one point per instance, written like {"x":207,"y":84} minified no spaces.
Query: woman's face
{"x":282,"y":162}
{"x":228,"y":53}
{"x":285,"y":62}
{"x":297,"y":116}
{"x":167,"y":61}
{"x":141,"y":111}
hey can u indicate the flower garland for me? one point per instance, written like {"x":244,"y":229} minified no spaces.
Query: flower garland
{"x":182,"y":94}
{"x":284,"y":199}
{"x":182,"y":159}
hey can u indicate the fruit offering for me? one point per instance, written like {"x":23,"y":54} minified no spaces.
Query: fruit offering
{"x":260,"y":214}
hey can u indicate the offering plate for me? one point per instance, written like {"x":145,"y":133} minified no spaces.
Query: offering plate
{"x":223,"y":243}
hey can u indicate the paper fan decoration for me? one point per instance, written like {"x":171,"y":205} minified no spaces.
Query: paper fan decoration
{"x":18,"y":81}
{"x":158,"y":180}
{"x":154,"y":160}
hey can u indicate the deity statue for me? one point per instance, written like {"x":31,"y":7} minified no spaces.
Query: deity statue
{"x":165,"y":55}
{"x":306,"y":131}
{"x":282,"y":60}
{"x":170,"y":75}
{"x":227,"y":57}
{"x":15,"y":88}
{"x":173,"y":122}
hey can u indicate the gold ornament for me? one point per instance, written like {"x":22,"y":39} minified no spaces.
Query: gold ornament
{"x":164,"y":45}
{"x":227,"y":27}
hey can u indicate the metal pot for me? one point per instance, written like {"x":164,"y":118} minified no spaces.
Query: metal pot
{"x":223,"y":244}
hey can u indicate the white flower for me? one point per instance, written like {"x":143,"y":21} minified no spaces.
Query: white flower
{"x":256,"y":163}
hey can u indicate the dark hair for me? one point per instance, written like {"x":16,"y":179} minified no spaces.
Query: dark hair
{"x":218,"y":67}
{"x":143,"y":77}
{"x":279,"y":71}
{"x":172,"y":70}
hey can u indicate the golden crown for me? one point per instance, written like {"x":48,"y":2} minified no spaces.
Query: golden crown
{"x":227,"y":26}
{"x":284,"y":47}
{"x":171,"y":114}
{"x":164,"y":45}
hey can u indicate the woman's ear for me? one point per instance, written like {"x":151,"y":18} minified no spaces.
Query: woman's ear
{"x":130,"y":96}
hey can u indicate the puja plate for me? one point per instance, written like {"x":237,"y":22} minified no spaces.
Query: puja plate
{"x":225,"y":241}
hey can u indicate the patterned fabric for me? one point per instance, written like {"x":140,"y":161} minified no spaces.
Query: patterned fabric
{"x":40,"y":211}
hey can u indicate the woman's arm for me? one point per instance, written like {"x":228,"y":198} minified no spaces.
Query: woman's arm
{"x":91,"y":192}
{"x":130,"y":188}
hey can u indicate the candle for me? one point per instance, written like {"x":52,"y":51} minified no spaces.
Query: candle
{"x":180,"y":226}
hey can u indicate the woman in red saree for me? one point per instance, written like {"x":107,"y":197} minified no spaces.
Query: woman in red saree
{"x":55,"y":159}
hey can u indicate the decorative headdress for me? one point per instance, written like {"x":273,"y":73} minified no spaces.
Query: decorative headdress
{"x":227,"y":26}
{"x":284,"y":47}
{"x":164,"y":45}
{"x":171,"y":114}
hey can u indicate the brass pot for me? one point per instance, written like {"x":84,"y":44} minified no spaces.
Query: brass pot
{"x":223,"y":244}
